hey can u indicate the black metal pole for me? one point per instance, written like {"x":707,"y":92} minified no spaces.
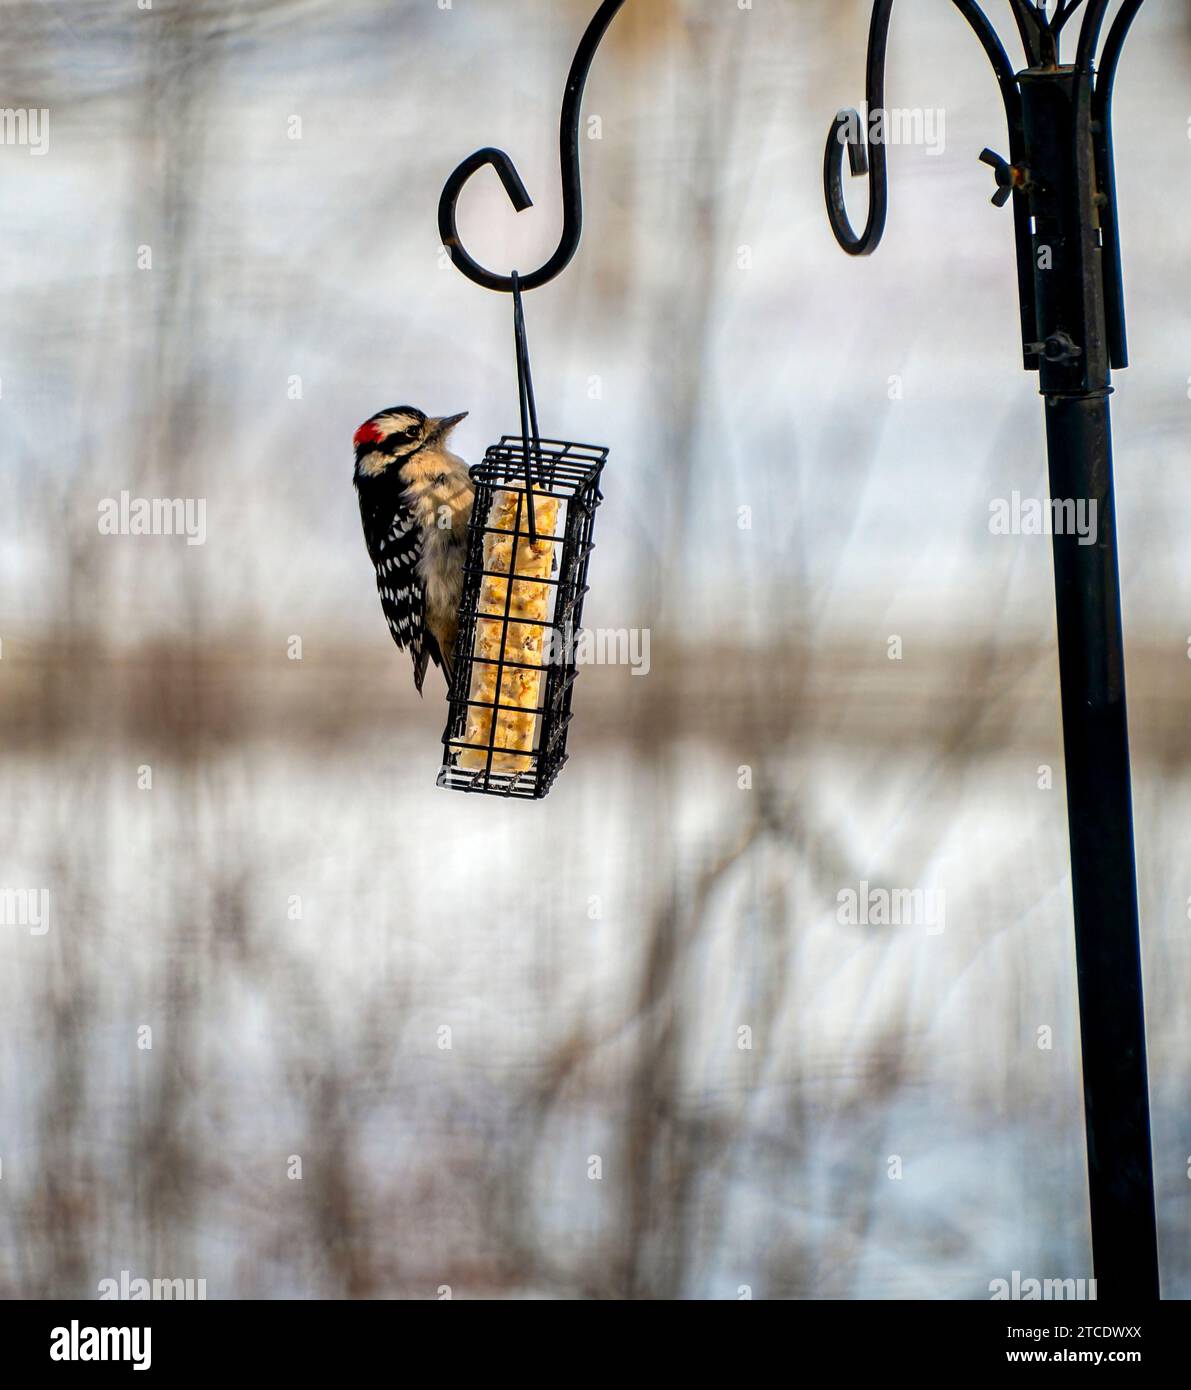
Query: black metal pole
{"x":1063,"y":188}
{"x":1066,"y":175}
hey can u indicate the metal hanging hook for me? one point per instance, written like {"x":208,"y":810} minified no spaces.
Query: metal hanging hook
{"x":529,"y":411}
{"x":865,"y":155}
{"x":572,"y":193}
{"x":866,"y":146}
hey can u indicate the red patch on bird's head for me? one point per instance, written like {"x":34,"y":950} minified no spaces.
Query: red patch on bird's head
{"x":368,"y":433}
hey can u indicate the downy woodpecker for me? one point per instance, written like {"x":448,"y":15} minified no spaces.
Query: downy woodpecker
{"x":415,"y":502}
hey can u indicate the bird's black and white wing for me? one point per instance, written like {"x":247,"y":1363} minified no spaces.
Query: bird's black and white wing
{"x":402,"y":596}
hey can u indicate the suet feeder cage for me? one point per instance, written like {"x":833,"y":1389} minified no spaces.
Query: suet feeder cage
{"x":529,"y":538}
{"x":525,"y":578}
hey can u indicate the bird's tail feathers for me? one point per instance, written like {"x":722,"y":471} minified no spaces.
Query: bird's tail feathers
{"x":421,"y":661}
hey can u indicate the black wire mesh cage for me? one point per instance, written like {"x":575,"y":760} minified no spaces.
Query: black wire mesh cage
{"x":524,"y":584}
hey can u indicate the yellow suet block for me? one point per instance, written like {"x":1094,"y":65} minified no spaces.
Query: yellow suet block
{"x":522,"y":642}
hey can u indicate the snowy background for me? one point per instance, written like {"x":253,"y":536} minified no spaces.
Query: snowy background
{"x":595,"y":957}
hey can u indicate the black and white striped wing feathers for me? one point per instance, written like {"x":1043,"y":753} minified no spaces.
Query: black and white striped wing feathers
{"x":402,"y":596}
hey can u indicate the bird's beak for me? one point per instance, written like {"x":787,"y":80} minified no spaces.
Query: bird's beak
{"x":445,"y":424}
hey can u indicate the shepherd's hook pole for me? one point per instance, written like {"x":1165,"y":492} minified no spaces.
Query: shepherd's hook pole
{"x":1059,"y":176}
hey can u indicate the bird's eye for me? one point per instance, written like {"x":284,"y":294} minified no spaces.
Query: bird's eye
{"x":412,"y":432}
